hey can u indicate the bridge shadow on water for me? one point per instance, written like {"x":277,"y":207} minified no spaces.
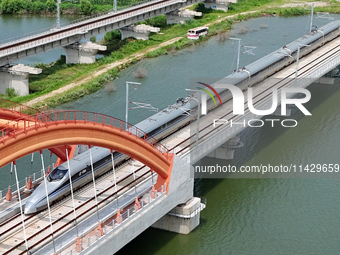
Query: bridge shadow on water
{"x":256,"y":139}
{"x":153,"y":241}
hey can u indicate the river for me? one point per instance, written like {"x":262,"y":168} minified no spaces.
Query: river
{"x":244,"y":216}
{"x":12,"y":26}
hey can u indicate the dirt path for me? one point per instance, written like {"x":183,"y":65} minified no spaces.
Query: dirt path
{"x":97,"y":73}
{"x":127,"y":60}
{"x":91,"y":76}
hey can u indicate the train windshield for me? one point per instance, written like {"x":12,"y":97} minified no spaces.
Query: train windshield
{"x":57,"y":174}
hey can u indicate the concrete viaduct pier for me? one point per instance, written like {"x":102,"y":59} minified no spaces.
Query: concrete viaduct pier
{"x":69,"y":36}
{"x":84,"y":53}
{"x":140,"y":32}
{"x":16,"y":77}
{"x":163,"y":197}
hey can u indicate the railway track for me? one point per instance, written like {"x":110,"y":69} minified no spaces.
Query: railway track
{"x":40,"y":237}
{"x":281,"y":83}
{"x":75,"y":26}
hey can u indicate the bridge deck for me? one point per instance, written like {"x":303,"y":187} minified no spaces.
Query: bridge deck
{"x":90,"y":26}
{"x":12,"y":234}
{"x":210,"y":139}
{"x":284,"y":78}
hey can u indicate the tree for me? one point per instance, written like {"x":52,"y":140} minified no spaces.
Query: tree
{"x":51,"y":6}
{"x":5,"y":7}
{"x":11,"y":6}
{"x":28,"y":6}
{"x":38,"y":7}
{"x":86,"y":7}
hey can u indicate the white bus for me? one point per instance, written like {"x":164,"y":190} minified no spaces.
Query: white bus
{"x":195,"y":33}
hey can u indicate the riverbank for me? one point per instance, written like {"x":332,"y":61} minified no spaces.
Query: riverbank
{"x":61,"y":83}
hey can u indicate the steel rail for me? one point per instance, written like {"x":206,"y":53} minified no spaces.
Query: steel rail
{"x":79,"y":207}
{"x":215,"y":128}
{"x":63,"y":30}
{"x":261,"y":93}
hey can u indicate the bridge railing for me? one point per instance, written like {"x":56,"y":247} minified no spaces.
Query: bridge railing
{"x":53,"y":29}
{"x":12,"y":106}
{"x":128,"y":212}
{"x":36,"y":178}
{"x":53,"y":118}
{"x":99,"y":15}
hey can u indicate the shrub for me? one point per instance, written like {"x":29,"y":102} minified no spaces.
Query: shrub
{"x":28,"y":5}
{"x":51,"y":6}
{"x":38,"y":7}
{"x":11,"y":92}
{"x":115,"y":34}
{"x":190,"y":21}
{"x":12,"y":6}
{"x":158,"y":21}
{"x":140,"y":72}
{"x":111,"y":87}
{"x":40,"y":65}
{"x":93,"y":39}
{"x":86,"y":7}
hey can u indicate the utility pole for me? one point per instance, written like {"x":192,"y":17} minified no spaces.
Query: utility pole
{"x":311,"y":18}
{"x":115,"y":5}
{"x":127,"y":102}
{"x":297,"y":59}
{"x":238,"y":52}
{"x":58,"y":14}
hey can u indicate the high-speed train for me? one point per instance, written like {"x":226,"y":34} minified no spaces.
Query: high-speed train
{"x":175,"y":116}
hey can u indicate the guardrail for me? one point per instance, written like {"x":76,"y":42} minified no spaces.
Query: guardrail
{"x":65,"y":25}
{"x":53,"y":118}
{"x":36,"y":178}
{"x":128,"y":213}
{"x":52,"y":34}
{"x":16,"y":107}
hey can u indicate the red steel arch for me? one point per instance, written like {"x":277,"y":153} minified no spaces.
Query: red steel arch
{"x":12,"y":115}
{"x":58,"y":128}
{"x":13,"y":111}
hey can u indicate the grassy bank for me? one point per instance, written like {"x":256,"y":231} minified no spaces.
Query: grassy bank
{"x":60,"y":74}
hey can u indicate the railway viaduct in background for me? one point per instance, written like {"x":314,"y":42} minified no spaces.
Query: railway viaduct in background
{"x":69,"y":36}
{"x":146,"y":190}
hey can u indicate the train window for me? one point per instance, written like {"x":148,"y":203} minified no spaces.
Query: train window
{"x":57,"y":174}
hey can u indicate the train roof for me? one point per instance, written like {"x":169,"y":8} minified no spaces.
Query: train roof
{"x":184,"y":104}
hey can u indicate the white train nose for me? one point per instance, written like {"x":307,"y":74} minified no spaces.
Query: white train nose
{"x":30,"y":208}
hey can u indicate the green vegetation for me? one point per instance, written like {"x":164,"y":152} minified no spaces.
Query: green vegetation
{"x":86,"y":7}
{"x":59,"y":74}
{"x":80,"y":91}
{"x":11,"y":92}
{"x":246,"y":5}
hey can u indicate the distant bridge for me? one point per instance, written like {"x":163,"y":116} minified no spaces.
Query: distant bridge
{"x":87,"y":27}
{"x":141,"y":205}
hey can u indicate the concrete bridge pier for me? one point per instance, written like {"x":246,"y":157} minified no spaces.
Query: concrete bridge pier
{"x":140,"y":32}
{"x":82,"y":53}
{"x":183,"y":218}
{"x":218,"y":4}
{"x":180,"y":191}
{"x":226,"y":151}
{"x":180,"y":16}
{"x":16,"y":77}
